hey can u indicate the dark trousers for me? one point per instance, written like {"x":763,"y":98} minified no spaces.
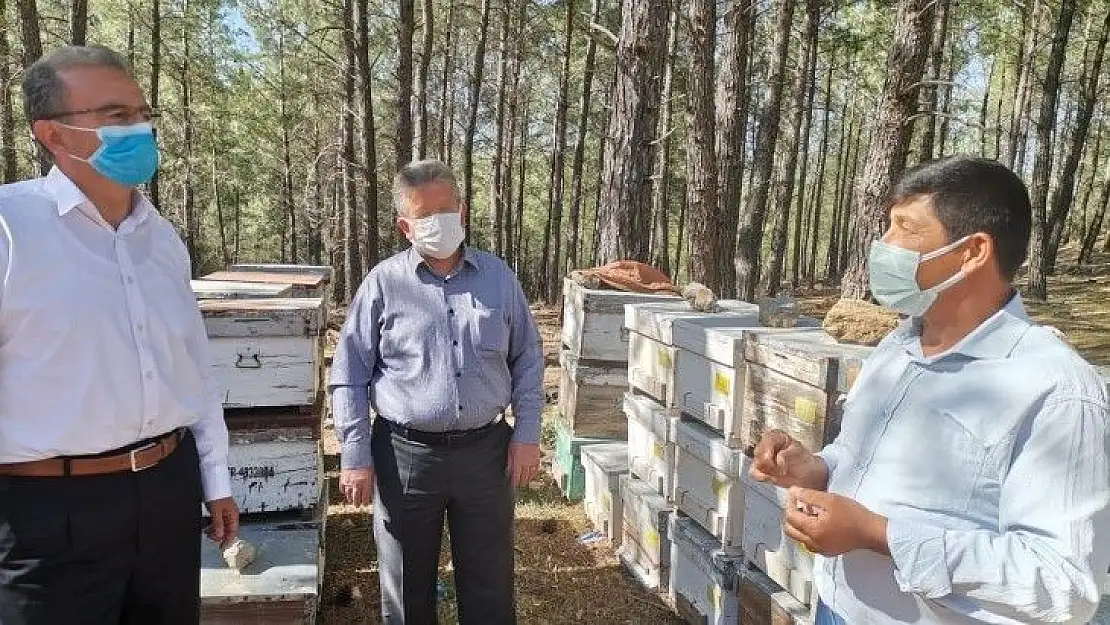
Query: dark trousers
{"x":117,"y":549}
{"x":418,"y":487}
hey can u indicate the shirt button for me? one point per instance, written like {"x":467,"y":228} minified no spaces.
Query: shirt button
{"x":130,"y":280}
{"x":458,"y":374}
{"x":460,"y":406}
{"x":141,"y":327}
{"x":150,"y":375}
{"x":450,"y":311}
{"x":455,"y":343}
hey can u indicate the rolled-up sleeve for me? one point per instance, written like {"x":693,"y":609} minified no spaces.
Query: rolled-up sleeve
{"x":351,"y":373}
{"x":1051,"y":552}
{"x":526,"y":366}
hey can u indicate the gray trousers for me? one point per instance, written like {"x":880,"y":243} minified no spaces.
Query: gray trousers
{"x":418,"y":487}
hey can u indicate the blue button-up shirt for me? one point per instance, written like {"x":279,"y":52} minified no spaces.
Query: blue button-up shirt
{"x":991,"y":462}
{"x":436,"y":353}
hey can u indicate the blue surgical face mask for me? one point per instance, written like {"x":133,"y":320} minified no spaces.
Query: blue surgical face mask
{"x":893,"y":272}
{"x":128,"y":155}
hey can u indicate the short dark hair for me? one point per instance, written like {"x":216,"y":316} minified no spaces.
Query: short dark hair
{"x":970,"y":195}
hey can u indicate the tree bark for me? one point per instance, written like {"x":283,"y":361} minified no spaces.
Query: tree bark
{"x":289,"y":207}
{"x":819,"y":194}
{"x":472,"y":116}
{"x":369,"y":137}
{"x":78,"y":21}
{"x":428,"y":18}
{"x":446,"y":94}
{"x":578,"y":163}
{"x":9,"y":171}
{"x":404,"y":83}
{"x":1042,"y":162}
{"x":660,"y":199}
{"x":352,"y":263}
{"x":496,"y":192}
{"x":625,"y":206}
{"x":509,"y":163}
{"x":155,"y":75}
{"x":891,"y":136}
{"x":1026,"y":69}
{"x":558,"y":166}
{"x":984,"y":109}
{"x":188,"y":194}
{"x":30,"y":33}
{"x":708,"y":245}
{"x":932,"y":91}
{"x":221,"y":221}
{"x":1094,"y":231}
{"x":525,"y":122}
{"x":763,"y":160}
{"x":813,"y":18}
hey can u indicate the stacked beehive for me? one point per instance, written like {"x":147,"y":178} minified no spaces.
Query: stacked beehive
{"x":266,"y":335}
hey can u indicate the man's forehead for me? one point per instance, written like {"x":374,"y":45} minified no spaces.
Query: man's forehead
{"x":94,"y":86}
{"x":918,"y":207}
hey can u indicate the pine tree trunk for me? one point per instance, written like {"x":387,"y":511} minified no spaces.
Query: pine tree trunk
{"x":9,"y":171}
{"x":30,"y":33}
{"x":763,"y":160}
{"x":625,"y":208}
{"x":369,"y":137}
{"x":78,"y":21}
{"x":1094,"y":231}
{"x":931,"y":92}
{"x":813,"y":17}
{"x":472,"y":115}
{"x":511,"y":141}
{"x":446,"y":93}
{"x":352,"y":263}
{"x":708,"y":245}
{"x":225,"y":252}
{"x":427,"y":16}
{"x":984,"y":108}
{"x":573,"y":246}
{"x":404,"y":83}
{"x":818,"y":203}
{"x":155,"y":75}
{"x":891,"y":136}
{"x":558,"y":165}
{"x":1026,"y":67}
{"x":497,"y":192}
{"x":1042,"y":163}
{"x":520,"y":257}
{"x":287,"y":203}
{"x":188,"y":199}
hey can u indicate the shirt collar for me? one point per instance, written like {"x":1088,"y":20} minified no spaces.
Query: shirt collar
{"x":416,"y":261}
{"x":68,"y":196}
{"x":994,"y":338}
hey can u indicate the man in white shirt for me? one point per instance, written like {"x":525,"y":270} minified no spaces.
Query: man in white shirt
{"x":111,"y":427}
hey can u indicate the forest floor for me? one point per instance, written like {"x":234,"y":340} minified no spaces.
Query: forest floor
{"x":562,"y":581}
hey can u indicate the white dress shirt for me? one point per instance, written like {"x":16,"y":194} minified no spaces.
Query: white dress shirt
{"x":101,"y":342}
{"x":992,"y":463}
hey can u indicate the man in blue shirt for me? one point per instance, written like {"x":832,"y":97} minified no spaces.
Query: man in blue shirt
{"x":970,"y":482}
{"x":439,"y":341}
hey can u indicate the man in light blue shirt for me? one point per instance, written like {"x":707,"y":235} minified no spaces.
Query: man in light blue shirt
{"x":970,"y":482}
{"x":440,"y":342}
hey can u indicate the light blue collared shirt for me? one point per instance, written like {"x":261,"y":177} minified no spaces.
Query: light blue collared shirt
{"x":991,"y":462}
{"x":436,"y":353}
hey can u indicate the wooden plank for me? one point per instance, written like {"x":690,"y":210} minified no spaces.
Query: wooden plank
{"x":651,"y":442}
{"x":784,"y":560}
{"x":310,"y":279}
{"x":656,"y":320}
{"x":590,"y":397}
{"x":267,"y":370}
{"x":281,"y":584}
{"x":704,"y":581}
{"x":593,"y":321}
{"x":223,"y":289}
{"x":726,"y":345}
{"x":651,"y":368}
{"x":713,"y":394}
{"x":603,"y":465}
{"x":645,"y":545}
{"x":810,"y":357}
{"x":274,"y":470}
{"x":707,"y":484}
{"x":226,"y":318}
{"x":323,"y":270}
{"x":776,"y":401}
{"x":276,"y":418}
{"x":763,"y":602}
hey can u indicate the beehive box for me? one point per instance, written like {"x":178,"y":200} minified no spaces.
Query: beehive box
{"x":651,"y":442}
{"x":787,"y":562}
{"x":645,"y":546}
{"x":793,"y":382}
{"x":224,"y":289}
{"x":280,"y":587}
{"x":266,"y":352}
{"x":763,"y":602}
{"x":590,"y":397}
{"x":705,"y":581}
{"x":323,"y":270}
{"x":707,"y":485}
{"x":567,"y":465}
{"x":593,"y":321}
{"x":604,"y":464}
{"x":274,"y":469}
{"x":305,"y":281}
{"x":652,"y":354}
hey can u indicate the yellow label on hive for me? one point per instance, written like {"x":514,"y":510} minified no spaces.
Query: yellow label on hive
{"x":664,"y":358}
{"x":713,"y":593}
{"x":805,"y":549}
{"x":651,"y":539}
{"x":806,"y":409}
{"x":720,"y":487}
{"x":722,"y":383}
{"x":659,"y":448}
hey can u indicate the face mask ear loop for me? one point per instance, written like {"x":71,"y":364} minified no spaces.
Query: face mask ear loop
{"x":937,"y":253}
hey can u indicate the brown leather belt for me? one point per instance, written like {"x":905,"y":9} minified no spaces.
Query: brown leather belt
{"x":135,"y":460}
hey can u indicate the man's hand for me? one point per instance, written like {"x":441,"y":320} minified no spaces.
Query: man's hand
{"x":783,"y":461}
{"x":832,"y":525}
{"x":524,"y":463}
{"x":225,"y":521}
{"x":357,"y":485}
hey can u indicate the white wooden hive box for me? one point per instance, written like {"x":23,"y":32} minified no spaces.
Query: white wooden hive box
{"x":705,"y":581}
{"x":651,"y":442}
{"x":593,"y":321}
{"x":645,"y":546}
{"x":787,"y":562}
{"x":707,"y":484}
{"x":225,"y":289}
{"x":604,"y":464}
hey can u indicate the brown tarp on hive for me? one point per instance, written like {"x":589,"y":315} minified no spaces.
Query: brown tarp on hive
{"x":632,"y":276}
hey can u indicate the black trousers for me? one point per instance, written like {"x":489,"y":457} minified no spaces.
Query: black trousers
{"x":118,"y":549}
{"x":418,"y":487}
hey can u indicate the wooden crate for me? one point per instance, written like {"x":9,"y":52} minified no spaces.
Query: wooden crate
{"x":657,"y":320}
{"x":651,"y":368}
{"x":281,"y":587}
{"x":567,"y":465}
{"x":604,"y":464}
{"x":705,"y":580}
{"x":707,"y":485}
{"x":590,"y":397}
{"x":274,"y":469}
{"x":763,"y":602}
{"x":794,"y":382}
{"x":306,"y":282}
{"x":225,"y":289}
{"x":710,"y":376}
{"x":787,"y":562}
{"x":651,"y":442}
{"x":323,"y":270}
{"x":266,"y":352}
{"x":645,"y":544}
{"x":593,"y":321}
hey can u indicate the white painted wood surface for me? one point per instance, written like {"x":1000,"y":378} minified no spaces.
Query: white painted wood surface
{"x":590,"y":396}
{"x":604,"y":465}
{"x":788,"y":563}
{"x":274,"y":470}
{"x":651,"y":368}
{"x":651,"y":442}
{"x":224,"y":289}
{"x":323,"y":270}
{"x":705,"y":581}
{"x":763,"y":602}
{"x":291,"y":316}
{"x":267,"y":371}
{"x":707,"y":485}
{"x":645,"y":545}
{"x":305,"y":283}
{"x":657,"y":320}
{"x":593,"y":321}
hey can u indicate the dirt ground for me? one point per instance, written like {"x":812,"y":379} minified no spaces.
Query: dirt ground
{"x":561,"y":581}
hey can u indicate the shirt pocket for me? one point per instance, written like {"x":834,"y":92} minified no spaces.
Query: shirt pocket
{"x":491,"y":333}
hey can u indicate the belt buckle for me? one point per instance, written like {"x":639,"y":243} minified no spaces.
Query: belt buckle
{"x":135,"y":468}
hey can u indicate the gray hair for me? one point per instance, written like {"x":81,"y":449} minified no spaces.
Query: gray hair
{"x":43,"y":89}
{"x":417,"y":174}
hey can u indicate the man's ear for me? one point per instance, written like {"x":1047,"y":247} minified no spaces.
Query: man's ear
{"x":46,"y":134}
{"x":403,"y":226}
{"x":980,"y":251}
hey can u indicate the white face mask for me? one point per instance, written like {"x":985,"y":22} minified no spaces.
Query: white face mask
{"x":439,"y":235}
